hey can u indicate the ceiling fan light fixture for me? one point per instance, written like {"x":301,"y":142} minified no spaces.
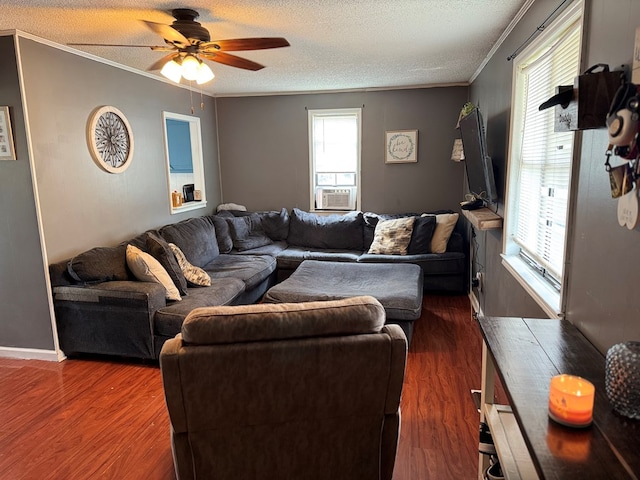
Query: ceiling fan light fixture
{"x":187,"y":41}
{"x":190,"y":67}
{"x":204,"y":74}
{"x":172,"y":70}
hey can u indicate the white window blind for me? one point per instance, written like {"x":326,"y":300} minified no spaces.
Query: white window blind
{"x":335,"y":142}
{"x":545,"y":157}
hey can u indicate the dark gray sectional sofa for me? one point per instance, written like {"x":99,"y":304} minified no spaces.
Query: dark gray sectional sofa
{"x":102,"y":309}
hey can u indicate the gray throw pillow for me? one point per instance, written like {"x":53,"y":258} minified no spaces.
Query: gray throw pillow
{"x":223,"y":235}
{"x":160,"y":250}
{"x":238,"y":227}
{"x":246,"y":232}
{"x":275,"y":224}
{"x":100,"y":264}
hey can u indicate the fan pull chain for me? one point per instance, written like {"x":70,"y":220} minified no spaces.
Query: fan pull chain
{"x":191,"y":97}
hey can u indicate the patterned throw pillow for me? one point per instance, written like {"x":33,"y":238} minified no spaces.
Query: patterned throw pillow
{"x":194,"y":275}
{"x":392,"y":237}
{"x":147,"y":269}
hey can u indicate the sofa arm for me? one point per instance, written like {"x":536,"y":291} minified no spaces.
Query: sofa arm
{"x":145,"y":292}
{"x":109,"y":318}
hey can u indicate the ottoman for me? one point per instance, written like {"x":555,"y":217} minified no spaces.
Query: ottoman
{"x":397,"y":286}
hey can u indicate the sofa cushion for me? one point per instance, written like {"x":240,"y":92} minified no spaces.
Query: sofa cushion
{"x":251,"y":269}
{"x":247,"y":233}
{"x":252,"y":241}
{"x":147,"y":269}
{"x":168,"y":320}
{"x":334,"y":255}
{"x":100,"y":264}
{"x":431,"y":263}
{"x":274,"y":248}
{"x":196,"y":276}
{"x":332,"y":231}
{"x":275,"y":224}
{"x":423,"y":229}
{"x":196,"y":237}
{"x":392,"y":237}
{"x":223,"y":235}
{"x":239,"y":227}
{"x":291,"y":257}
{"x":160,"y":250}
{"x":445,"y":223}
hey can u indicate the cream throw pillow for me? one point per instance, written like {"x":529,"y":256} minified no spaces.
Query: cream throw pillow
{"x":147,"y":269}
{"x":445,"y":222}
{"x":194,"y":275}
{"x":392,"y":237}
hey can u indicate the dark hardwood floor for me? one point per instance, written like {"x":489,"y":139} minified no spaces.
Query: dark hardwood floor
{"x":98,"y":419}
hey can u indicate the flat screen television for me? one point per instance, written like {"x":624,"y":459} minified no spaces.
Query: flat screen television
{"x":477,"y":162}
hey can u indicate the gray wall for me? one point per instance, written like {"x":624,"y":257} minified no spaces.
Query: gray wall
{"x":24,"y":309}
{"x":264,"y":149}
{"x":604,"y":270}
{"x":81,"y":206}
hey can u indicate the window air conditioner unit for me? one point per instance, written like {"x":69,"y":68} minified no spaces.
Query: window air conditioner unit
{"x":336,"y":199}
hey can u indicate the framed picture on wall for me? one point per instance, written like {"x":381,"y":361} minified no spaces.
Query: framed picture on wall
{"x":7,"y":150}
{"x":401,"y":146}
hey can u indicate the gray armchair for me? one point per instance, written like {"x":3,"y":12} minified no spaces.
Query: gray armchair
{"x":285,"y":391}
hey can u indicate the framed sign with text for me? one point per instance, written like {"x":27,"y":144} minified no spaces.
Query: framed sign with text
{"x":401,"y":146}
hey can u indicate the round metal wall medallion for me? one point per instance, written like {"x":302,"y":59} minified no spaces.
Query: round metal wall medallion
{"x":110,"y":139}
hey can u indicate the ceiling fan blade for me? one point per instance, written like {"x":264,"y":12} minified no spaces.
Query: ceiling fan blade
{"x":238,"y":44}
{"x":164,"y":48}
{"x":232,"y":60}
{"x":169,"y":33}
{"x":161,"y":63}
{"x":152,"y":47}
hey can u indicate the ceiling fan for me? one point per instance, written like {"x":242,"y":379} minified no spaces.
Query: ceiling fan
{"x":189,"y":42}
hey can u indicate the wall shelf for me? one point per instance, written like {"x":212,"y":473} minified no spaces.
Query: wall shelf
{"x":483,"y":219}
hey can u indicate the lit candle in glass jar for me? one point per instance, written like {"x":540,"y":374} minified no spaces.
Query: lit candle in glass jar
{"x":571,"y":400}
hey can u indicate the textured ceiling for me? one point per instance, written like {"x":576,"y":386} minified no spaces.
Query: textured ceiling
{"x":335,"y":44}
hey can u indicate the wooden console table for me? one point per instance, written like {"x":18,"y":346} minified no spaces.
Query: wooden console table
{"x":526,"y":353}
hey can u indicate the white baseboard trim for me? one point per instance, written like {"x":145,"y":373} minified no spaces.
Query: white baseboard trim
{"x":475,"y":304}
{"x":32,"y":354}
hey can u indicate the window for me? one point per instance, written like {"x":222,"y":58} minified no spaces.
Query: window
{"x":540,"y":163}
{"x":334,"y":152}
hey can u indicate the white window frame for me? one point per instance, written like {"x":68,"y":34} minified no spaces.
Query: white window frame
{"x":175,"y":181}
{"x":312,"y":164}
{"x":550,"y":299}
